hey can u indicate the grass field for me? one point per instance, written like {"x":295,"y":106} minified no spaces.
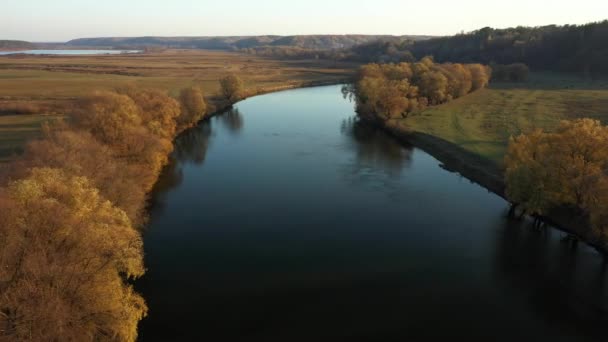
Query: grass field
{"x":47,"y":82}
{"x":482,"y":122}
{"x":16,"y":130}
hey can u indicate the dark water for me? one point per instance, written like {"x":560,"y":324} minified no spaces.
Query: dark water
{"x":289,"y":220}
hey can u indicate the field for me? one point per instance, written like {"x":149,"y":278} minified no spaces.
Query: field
{"x":34,"y":89}
{"x":482,"y":122}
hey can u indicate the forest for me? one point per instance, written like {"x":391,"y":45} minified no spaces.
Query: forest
{"x":73,"y":206}
{"x":569,"y":48}
{"x":388,"y":91}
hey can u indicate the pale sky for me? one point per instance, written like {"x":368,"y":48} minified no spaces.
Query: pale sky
{"x":62,"y":20}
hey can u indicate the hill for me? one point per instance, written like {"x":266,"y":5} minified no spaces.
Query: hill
{"x":15,"y":45}
{"x":319,"y":42}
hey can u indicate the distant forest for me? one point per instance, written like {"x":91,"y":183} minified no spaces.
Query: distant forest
{"x":312,"y":42}
{"x":575,"y":48}
{"x":571,"y":48}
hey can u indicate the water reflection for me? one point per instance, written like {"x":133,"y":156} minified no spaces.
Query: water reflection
{"x":561,"y":282}
{"x":233,"y":120}
{"x":374,"y":149}
{"x":193,"y":144}
{"x":254,"y":248}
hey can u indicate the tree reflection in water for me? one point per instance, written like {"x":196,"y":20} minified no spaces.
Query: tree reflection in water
{"x":379,"y":159}
{"x":562,"y":282}
{"x":376,"y":149}
{"x":190,"y":147}
{"x":233,"y":120}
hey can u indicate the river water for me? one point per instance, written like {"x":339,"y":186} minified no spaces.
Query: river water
{"x":287,"y":219}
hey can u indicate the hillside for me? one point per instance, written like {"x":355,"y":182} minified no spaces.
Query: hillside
{"x":15,"y":45}
{"x":237,"y":42}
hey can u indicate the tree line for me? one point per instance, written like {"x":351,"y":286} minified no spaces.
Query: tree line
{"x":71,"y":208}
{"x":567,"y":168}
{"x":570,"y":48}
{"x":391,"y":90}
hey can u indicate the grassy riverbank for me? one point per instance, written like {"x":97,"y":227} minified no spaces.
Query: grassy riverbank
{"x":482,"y":122}
{"x":34,"y":89}
{"x":470,"y":135}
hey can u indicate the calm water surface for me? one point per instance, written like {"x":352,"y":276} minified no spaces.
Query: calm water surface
{"x":287,"y":219}
{"x":68,"y":52}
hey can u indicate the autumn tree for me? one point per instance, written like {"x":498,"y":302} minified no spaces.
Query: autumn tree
{"x":193,"y":105}
{"x":108,"y":116}
{"x":158,"y":111}
{"x":565,"y":168}
{"x":394,"y":90}
{"x":231,"y":88}
{"x":66,"y":254}
{"x":78,"y":153}
{"x":480,"y":75}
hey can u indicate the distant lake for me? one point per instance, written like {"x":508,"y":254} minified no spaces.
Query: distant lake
{"x":289,"y":219}
{"x":69,"y":52}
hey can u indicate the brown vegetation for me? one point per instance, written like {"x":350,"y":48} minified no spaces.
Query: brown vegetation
{"x":394,"y":90}
{"x":231,"y":88}
{"x":70,"y":215}
{"x":567,"y":168}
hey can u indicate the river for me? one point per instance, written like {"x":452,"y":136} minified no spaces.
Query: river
{"x":287,"y":219}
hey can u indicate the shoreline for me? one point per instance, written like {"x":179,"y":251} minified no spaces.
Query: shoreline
{"x":453,"y":158}
{"x":219,"y":106}
{"x":489,"y":176}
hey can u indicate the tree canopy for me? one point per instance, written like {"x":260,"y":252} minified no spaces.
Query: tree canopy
{"x":564,"y":168}
{"x":394,"y":90}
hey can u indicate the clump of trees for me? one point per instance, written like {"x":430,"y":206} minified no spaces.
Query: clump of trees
{"x":231,"y":88}
{"x":66,"y":252}
{"x":388,"y":91}
{"x":70,"y":213}
{"x":517,"y":72}
{"x":567,"y":168}
{"x":193,"y":105}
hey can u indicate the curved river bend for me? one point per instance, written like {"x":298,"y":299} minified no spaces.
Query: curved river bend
{"x":286,"y":219}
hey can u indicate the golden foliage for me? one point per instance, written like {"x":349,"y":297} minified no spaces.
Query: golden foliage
{"x":68,"y":241}
{"x":108,"y":116}
{"x":389,"y":90}
{"x":231,"y":88}
{"x":568,"y":167}
{"x":193,"y":105}
{"x":66,"y":254}
{"x":158,"y":111}
{"x":78,"y":153}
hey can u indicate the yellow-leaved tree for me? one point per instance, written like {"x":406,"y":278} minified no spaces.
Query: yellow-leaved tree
{"x":65,"y":258}
{"x":564,"y":168}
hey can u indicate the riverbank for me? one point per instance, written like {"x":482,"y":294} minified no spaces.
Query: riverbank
{"x":489,"y":175}
{"x":256,"y":250}
{"x":50,"y":84}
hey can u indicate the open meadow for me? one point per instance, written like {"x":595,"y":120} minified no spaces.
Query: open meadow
{"x":483,"y":121}
{"x":34,"y":89}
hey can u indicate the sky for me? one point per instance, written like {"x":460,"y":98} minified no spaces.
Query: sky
{"x":62,"y":20}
